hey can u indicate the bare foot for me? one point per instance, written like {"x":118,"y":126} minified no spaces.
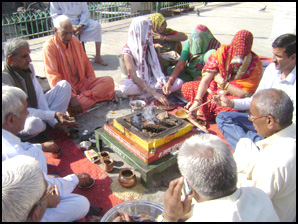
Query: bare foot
{"x":100,"y":61}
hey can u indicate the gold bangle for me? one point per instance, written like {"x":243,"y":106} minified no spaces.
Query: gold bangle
{"x":198,"y":100}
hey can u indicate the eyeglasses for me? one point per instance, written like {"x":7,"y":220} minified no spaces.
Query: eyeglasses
{"x":252,"y":118}
{"x":41,"y":201}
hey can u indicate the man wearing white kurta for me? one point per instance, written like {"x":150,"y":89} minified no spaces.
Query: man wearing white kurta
{"x":207,"y":164}
{"x":88,"y":29}
{"x":43,"y":108}
{"x":37,"y":203}
{"x":14,"y":113}
{"x":270,"y":164}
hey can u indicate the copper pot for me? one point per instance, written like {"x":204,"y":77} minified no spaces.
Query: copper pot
{"x":104,"y":155}
{"x":127,"y":177}
{"x":108,"y":165}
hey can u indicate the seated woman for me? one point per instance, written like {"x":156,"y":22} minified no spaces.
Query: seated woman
{"x":166,"y":41}
{"x":167,"y":38}
{"x":195,"y":53}
{"x":233,"y":68}
{"x":145,"y":77}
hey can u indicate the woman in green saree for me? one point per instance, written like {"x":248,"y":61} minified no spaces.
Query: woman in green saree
{"x":195,"y":53}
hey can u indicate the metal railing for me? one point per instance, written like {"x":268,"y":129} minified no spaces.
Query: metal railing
{"x":37,"y":23}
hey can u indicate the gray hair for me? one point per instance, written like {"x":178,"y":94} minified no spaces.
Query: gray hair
{"x":12,"y":101}
{"x":276,"y":103}
{"x":12,"y":46}
{"x":208,"y":164}
{"x":22,"y":186}
{"x":60,"y":20}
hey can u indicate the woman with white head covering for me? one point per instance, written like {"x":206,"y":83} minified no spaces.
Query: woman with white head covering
{"x":146,"y":78}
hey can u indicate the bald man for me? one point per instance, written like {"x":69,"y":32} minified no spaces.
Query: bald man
{"x":65,"y":59}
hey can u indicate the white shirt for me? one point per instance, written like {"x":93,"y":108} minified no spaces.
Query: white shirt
{"x":272,"y":79}
{"x":246,"y":204}
{"x":43,"y":111}
{"x":12,"y":146}
{"x":75,"y":11}
{"x":271,"y":168}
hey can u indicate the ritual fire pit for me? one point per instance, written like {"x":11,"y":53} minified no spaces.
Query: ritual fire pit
{"x":145,"y":139}
{"x":152,"y":128}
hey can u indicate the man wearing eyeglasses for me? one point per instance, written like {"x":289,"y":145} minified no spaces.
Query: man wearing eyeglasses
{"x":281,"y":74}
{"x":28,"y":197}
{"x":270,"y":164}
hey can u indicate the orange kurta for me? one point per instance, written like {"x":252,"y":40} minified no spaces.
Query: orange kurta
{"x":70,"y":63}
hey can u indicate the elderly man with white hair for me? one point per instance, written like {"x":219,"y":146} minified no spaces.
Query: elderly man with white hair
{"x":43,"y":108}
{"x":208,"y":164}
{"x":14,"y":113}
{"x":270,"y":164}
{"x":65,"y":59}
{"x":28,"y":197}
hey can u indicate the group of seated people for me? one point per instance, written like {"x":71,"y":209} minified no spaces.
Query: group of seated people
{"x":256,"y":183}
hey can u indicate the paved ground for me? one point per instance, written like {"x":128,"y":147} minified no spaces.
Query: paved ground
{"x":223,"y":19}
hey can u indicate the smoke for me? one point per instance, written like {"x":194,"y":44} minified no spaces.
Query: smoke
{"x":137,"y":121}
{"x":149,"y":116}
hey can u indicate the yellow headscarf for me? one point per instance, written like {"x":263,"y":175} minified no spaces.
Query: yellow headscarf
{"x":157,"y":20}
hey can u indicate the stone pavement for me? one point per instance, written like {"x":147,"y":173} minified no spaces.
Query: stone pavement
{"x":223,"y":19}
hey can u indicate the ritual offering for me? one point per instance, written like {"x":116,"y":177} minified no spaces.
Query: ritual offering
{"x":171,"y":106}
{"x":137,"y":210}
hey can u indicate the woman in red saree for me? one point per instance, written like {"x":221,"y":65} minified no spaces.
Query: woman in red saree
{"x":233,"y":68}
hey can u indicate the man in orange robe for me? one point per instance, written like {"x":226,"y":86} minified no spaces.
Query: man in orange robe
{"x":65,"y":59}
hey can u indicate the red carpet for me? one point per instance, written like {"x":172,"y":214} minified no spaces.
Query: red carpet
{"x":72,"y":161}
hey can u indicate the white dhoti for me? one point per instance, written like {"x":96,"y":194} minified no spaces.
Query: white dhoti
{"x":78,"y":13}
{"x":128,"y":87}
{"x":72,"y":207}
{"x":92,"y":31}
{"x":57,"y":99}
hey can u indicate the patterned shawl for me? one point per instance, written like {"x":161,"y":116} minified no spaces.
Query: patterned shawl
{"x":140,"y":44}
{"x":237,"y":63}
{"x":201,"y":40}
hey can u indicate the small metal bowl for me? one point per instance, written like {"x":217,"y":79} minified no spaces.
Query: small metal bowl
{"x":85,"y":145}
{"x":89,"y":186}
{"x":137,"y":105}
